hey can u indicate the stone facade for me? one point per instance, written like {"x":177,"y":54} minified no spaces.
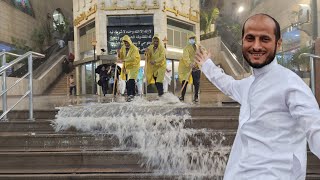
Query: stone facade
{"x":106,"y":8}
{"x":15,"y":23}
{"x":87,"y":11}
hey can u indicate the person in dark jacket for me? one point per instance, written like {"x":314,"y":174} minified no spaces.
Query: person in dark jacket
{"x":104,"y":80}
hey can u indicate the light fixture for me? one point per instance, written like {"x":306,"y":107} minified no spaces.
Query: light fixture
{"x":240,"y":9}
{"x":94,"y":42}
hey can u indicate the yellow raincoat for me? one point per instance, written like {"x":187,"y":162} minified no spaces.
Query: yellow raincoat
{"x":159,"y":68}
{"x":131,"y":60}
{"x":185,"y":64}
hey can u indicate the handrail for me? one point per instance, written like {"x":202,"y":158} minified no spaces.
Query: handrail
{"x":9,"y":53}
{"x":3,"y":69}
{"x":312,"y":78}
{"x":17,"y":81}
{"x":20,"y":58}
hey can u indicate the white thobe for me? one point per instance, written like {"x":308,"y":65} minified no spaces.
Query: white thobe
{"x":278,"y":115}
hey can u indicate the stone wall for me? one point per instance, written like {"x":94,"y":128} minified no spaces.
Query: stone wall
{"x":15,"y":23}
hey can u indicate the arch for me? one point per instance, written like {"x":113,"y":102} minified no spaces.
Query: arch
{"x":58,"y":19}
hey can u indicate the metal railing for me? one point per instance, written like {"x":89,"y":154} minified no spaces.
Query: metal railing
{"x":3,"y":94}
{"x":312,"y":78}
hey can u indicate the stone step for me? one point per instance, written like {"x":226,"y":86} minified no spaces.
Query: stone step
{"x":40,"y":125}
{"x":60,"y":86}
{"x":18,"y":115}
{"x":87,"y":162}
{"x":313,"y":164}
{"x":215,"y":111}
{"x":70,"y":162}
{"x":213,"y":122}
{"x":97,"y":176}
{"x":196,"y":122}
{"x":313,"y":176}
{"x":20,"y":142}
{"x":109,"y":176}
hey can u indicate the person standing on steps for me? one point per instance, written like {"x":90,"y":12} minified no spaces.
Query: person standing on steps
{"x":156,"y":64}
{"x":189,"y":71}
{"x":130,"y":57}
{"x":278,"y":114}
{"x":72,"y":85}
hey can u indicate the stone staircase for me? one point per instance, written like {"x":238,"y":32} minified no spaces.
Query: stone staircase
{"x":209,"y":92}
{"x":60,"y":86}
{"x":206,"y":86}
{"x":33,"y":150}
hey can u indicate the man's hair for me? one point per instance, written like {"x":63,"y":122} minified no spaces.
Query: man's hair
{"x":277,"y":31}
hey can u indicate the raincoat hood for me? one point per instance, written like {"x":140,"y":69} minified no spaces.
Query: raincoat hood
{"x":192,"y":34}
{"x":160,"y":42}
{"x":126,"y":38}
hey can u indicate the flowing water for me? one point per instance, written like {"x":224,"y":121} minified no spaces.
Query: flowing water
{"x":156,"y":130}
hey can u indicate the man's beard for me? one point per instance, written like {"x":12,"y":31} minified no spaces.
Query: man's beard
{"x":269,"y":59}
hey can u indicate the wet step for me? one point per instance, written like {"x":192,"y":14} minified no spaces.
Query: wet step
{"x":215,"y":111}
{"x":87,"y":162}
{"x":213,"y":122}
{"x":95,"y":176}
{"x":313,"y":176}
{"x":313,"y":164}
{"x":107,"y":110}
{"x":18,"y":115}
{"x":111,"y":176}
{"x":56,"y":142}
{"x":44,"y":125}
{"x":83,"y":141}
{"x":40,"y":125}
{"x":70,"y":162}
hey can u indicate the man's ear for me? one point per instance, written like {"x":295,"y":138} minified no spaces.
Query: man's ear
{"x":279,"y":44}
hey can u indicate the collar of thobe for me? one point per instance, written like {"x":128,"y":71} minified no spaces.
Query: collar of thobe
{"x":259,"y":71}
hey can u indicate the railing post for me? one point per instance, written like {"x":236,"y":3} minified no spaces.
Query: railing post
{"x":312,"y":76}
{"x":4,"y":87}
{"x":312,"y":82}
{"x":30,"y":84}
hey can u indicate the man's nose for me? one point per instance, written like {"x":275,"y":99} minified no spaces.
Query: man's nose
{"x":257,"y":45}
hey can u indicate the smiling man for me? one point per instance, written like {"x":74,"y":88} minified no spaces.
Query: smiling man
{"x":278,"y":115}
{"x":259,"y":44}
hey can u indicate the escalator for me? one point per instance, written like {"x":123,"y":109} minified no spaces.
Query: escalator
{"x":38,"y":63}
{"x":232,"y":42}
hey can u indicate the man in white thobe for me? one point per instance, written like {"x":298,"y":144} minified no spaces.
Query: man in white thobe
{"x":278,"y":115}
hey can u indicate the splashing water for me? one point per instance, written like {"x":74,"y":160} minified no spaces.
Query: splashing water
{"x":155,"y":129}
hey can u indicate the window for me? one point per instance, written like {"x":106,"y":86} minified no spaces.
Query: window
{"x":87,"y":34}
{"x":170,"y":37}
{"x":138,"y":27}
{"x":58,"y":19}
{"x":177,"y":33}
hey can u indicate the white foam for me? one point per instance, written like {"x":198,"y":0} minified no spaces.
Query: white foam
{"x":156,"y":130}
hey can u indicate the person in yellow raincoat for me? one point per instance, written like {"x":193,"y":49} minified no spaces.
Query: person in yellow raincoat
{"x":156,"y":64}
{"x":130,"y":57}
{"x":187,"y":65}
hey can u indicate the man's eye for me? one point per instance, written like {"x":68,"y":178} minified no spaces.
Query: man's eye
{"x":249,"y":38}
{"x":265,"y":39}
